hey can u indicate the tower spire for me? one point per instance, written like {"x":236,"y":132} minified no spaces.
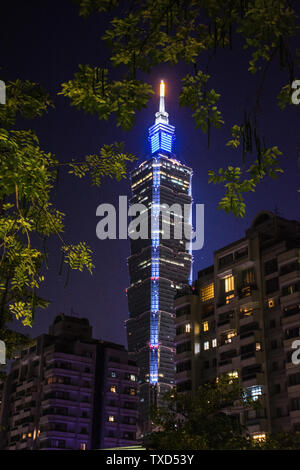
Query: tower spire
{"x":162,"y":97}
{"x":162,"y":115}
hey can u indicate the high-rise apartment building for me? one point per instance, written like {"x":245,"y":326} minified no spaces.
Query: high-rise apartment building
{"x":159,"y":264}
{"x":241,"y":318}
{"x":69,"y":391}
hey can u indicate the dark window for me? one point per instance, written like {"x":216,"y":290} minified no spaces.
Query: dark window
{"x":184,"y":386}
{"x":292,"y":310}
{"x":242,"y":253}
{"x":271,"y":266}
{"x":292,"y":333}
{"x":225,"y":260}
{"x":225,"y":317}
{"x":295,"y":403}
{"x":248,"y":348}
{"x":182,"y":366}
{"x":294,"y":379}
{"x":277,"y":388}
{"x":273,"y":344}
{"x":272,"y":285}
{"x":114,"y":359}
{"x":182,"y":347}
{"x":279,"y":412}
{"x":186,"y":310}
{"x":290,"y":267}
{"x":291,"y":289}
{"x":180,"y":330}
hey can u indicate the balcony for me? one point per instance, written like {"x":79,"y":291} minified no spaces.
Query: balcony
{"x":56,"y":433}
{"x":226,"y":320}
{"x":183,"y":336}
{"x":59,"y":401}
{"x":251,"y":358}
{"x":249,"y":296}
{"x":255,"y":378}
{"x":185,"y":374}
{"x":291,"y":315}
{"x":225,"y":366}
{"x":61,"y":386}
{"x":249,"y":337}
{"x":54,"y":417}
{"x":55,"y":368}
{"x":247,"y":290}
{"x":295,"y":414}
{"x":128,"y":413}
{"x":225,"y":302}
{"x":294,"y":389}
{"x":287,"y":342}
{"x":48,"y":445}
{"x":227,"y":344}
{"x":291,"y":276}
{"x":290,"y":295}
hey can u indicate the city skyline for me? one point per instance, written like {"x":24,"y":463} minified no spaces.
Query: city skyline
{"x":68,"y":133}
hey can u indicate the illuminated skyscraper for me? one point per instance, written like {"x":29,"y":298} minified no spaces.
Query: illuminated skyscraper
{"x":159,"y":264}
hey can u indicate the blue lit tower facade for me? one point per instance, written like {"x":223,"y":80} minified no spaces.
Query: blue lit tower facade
{"x":159,"y":264}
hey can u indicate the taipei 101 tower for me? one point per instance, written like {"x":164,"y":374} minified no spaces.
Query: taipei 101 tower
{"x":159,"y":264}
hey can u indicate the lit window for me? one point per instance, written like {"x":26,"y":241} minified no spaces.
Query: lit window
{"x":257,"y":346}
{"x":132,"y":391}
{"x":246,"y":291}
{"x":229,"y":283}
{"x":188,"y":328}
{"x":197,"y":348}
{"x":233,"y":374}
{"x":113,"y":374}
{"x":132,"y":377}
{"x":229,"y":298}
{"x":111,"y":418}
{"x":113,"y":389}
{"x":259,"y":437}
{"x":206,"y":345}
{"x":248,"y":276}
{"x":271,"y":303}
{"x":29,"y":434}
{"x":205,"y":326}
{"x":253,"y":392}
{"x":83,"y":446}
{"x":207,"y":292}
{"x":246,"y":312}
{"x":229,"y":336}
{"x":214,"y":343}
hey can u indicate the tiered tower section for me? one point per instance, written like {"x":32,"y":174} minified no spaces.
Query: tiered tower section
{"x":159,"y":264}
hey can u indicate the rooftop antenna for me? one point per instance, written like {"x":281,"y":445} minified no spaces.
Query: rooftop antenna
{"x":162,"y":115}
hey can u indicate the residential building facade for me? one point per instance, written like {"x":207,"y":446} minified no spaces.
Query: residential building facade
{"x":241,"y":318}
{"x":56,"y":395}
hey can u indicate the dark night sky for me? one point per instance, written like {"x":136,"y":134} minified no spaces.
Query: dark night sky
{"x":44,"y":42}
